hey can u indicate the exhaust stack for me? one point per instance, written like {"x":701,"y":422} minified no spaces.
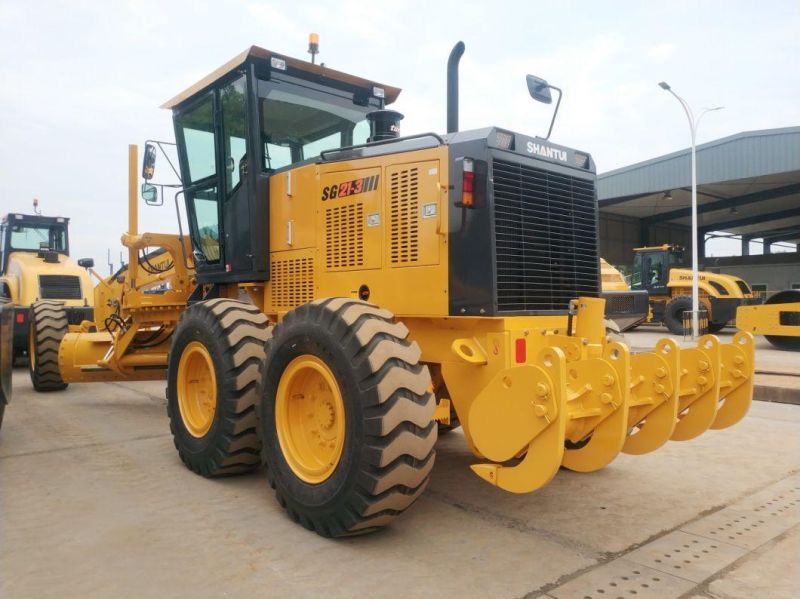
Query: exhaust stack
{"x":452,"y":87}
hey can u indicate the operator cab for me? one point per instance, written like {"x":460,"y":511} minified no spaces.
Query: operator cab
{"x":32,"y":233}
{"x":651,"y":266}
{"x":260,"y":113}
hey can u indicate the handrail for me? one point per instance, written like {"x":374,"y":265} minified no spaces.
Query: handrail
{"x":382,"y":142}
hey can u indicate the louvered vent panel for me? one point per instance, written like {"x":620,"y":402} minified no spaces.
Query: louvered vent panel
{"x":344,"y":237}
{"x":292,"y":281}
{"x":546,"y":235}
{"x":404,"y":216}
{"x":60,"y":287}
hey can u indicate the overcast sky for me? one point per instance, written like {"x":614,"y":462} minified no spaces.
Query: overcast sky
{"x":80,"y":80}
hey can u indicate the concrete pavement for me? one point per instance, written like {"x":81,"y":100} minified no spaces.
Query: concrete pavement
{"x":95,"y":503}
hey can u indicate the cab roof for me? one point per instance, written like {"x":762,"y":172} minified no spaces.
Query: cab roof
{"x":35,"y":218}
{"x":261,"y":55}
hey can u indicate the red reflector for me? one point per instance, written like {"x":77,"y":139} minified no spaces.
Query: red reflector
{"x":20,"y":317}
{"x":469,"y":181}
{"x":522,"y":353}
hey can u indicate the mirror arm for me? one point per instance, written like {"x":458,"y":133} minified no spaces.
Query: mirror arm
{"x":161,"y":145}
{"x":555,"y":112}
{"x":100,"y":279}
{"x":172,"y":166}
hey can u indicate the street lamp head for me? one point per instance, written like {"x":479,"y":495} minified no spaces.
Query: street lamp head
{"x":664,"y":85}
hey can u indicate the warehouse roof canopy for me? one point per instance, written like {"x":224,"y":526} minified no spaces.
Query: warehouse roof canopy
{"x":747,"y":184}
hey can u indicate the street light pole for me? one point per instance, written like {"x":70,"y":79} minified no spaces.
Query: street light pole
{"x":693,"y":124}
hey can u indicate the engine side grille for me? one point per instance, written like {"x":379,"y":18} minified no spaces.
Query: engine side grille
{"x":404,"y":216}
{"x":546,"y":238}
{"x":622,"y":303}
{"x":67,"y":287}
{"x":344,"y":237}
{"x":292,"y":281}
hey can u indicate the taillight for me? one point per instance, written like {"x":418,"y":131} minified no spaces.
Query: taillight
{"x":468,"y":184}
{"x":20,"y":317}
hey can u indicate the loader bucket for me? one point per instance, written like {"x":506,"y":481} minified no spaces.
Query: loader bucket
{"x":6,"y":350}
{"x":578,"y":404}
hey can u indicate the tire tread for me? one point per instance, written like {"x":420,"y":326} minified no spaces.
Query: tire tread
{"x":48,"y":319}
{"x":400,"y":434}
{"x":244,"y":331}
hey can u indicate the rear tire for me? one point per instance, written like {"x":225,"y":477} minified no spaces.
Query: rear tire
{"x":48,"y":325}
{"x":673,"y":313}
{"x":383,"y":424}
{"x":212,"y":381}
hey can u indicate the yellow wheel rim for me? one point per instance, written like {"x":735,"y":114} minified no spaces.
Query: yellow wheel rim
{"x":31,"y":346}
{"x":197,"y":389}
{"x":310,"y":418}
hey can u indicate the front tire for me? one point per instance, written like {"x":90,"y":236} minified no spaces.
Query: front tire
{"x":212,"y":381}
{"x":346,"y":417}
{"x":47,"y":326}
{"x":673,"y":313}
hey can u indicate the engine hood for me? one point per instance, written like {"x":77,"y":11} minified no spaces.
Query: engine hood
{"x":24,"y":269}
{"x":715,"y":284}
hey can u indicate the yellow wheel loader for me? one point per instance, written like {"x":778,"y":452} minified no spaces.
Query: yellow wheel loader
{"x":778,"y":319}
{"x":36,"y":275}
{"x":658,"y":270}
{"x":342,"y":291}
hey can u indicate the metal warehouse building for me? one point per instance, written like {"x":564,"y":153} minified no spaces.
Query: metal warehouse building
{"x":748,"y":185}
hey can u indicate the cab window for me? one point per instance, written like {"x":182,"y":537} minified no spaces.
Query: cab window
{"x":636,"y":275}
{"x":297,"y":127}
{"x":676,"y":258}
{"x":206,"y":223}
{"x":234,"y":124}
{"x":655,"y":270}
{"x":196,"y":134}
{"x":32,"y":237}
{"x":196,"y":128}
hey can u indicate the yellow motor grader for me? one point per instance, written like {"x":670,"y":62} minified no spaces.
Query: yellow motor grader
{"x":344,"y":292}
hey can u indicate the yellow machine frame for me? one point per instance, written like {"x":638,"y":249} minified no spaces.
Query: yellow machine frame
{"x":532,"y":393}
{"x":109,"y":352}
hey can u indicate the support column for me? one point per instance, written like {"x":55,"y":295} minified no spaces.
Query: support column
{"x":745,"y":245}
{"x":767,"y":246}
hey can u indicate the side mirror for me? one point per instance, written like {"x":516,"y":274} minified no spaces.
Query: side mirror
{"x":150,"y":194}
{"x":86,"y":262}
{"x":539,"y":89}
{"x":149,"y":161}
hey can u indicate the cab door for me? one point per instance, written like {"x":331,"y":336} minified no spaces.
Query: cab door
{"x":196,"y":134}
{"x":651,"y":272}
{"x":235,"y":177}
